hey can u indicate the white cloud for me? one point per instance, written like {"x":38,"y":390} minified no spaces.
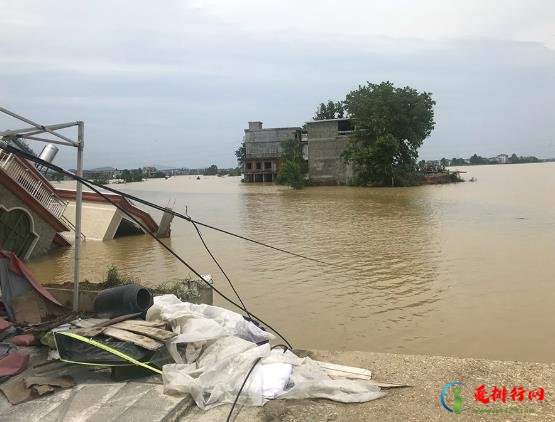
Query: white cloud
{"x":191,"y":74}
{"x":517,"y":20}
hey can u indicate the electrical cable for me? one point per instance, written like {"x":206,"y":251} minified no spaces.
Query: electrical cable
{"x":194,"y":222}
{"x":241,"y":389}
{"x":140,"y":224}
{"x":51,"y":166}
{"x":187,"y":265}
{"x":285,"y":348}
{"x":220,"y":267}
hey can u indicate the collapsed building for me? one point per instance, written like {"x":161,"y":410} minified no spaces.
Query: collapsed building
{"x":322,"y":143}
{"x":36,"y":217}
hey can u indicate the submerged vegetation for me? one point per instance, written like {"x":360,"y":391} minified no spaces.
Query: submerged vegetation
{"x":293,"y":168}
{"x":114,"y":277}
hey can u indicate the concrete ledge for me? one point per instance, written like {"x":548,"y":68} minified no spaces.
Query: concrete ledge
{"x":65,"y":297}
{"x":96,"y":398}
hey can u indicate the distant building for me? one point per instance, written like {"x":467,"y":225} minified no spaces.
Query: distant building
{"x":327,"y":140}
{"x":263,"y":150}
{"x":322,"y":143}
{"x":502,"y":158}
{"x":149,"y":171}
{"x":31,"y":211}
{"x":433,"y":166}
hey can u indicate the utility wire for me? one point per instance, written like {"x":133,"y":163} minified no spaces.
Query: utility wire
{"x":241,"y":389}
{"x":51,"y":166}
{"x":194,"y":222}
{"x":220,"y":267}
{"x":140,"y":224}
{"x":283,"y":346}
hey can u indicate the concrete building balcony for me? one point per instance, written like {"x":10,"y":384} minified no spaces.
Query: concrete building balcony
{"x":33,"y":183}
{"x":262,"y":155}
{"x":260,"y":171}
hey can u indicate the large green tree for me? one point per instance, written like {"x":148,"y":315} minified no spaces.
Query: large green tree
{"x":389,"y":125}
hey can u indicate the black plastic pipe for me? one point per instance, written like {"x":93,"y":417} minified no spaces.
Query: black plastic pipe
{"x":122,"y":300}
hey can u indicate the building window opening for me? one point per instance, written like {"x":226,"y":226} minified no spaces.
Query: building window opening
{"x":267,"y":165}
{"x":249,"y":166}
{"x":15,"y":232}
{"x":344,"y":125}
{"x":258,"y":166}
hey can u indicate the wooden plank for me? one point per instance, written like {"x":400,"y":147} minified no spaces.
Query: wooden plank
{"x":88,"y":323}
{"x":142,"y":322}
{"x":155,"y":333}
{"x":137,"y":339}
{"x":117,"y":319}
{"x":343,"y":371}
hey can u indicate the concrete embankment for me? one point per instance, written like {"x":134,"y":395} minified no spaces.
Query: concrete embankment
{"x":98,"y":398}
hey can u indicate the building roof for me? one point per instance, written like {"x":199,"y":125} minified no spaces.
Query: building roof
{"x":138,"y":213}
{"x":328,"y":120}
{"x":274,"y":128}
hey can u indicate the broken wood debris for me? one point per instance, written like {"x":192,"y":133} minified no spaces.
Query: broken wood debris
{"x":139,"y":340}
{"x":155,"y":333}
{"x":147,"y":334}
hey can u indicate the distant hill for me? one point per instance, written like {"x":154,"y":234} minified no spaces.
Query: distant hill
{"x":108,"y":168}
{"x":161,"y":167}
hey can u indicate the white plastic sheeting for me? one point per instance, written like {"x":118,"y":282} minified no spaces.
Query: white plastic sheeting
{"x":215,"y":348}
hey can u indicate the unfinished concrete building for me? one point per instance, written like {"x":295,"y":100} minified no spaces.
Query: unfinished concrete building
{"x":263,"y":150}
{"x":326,"y":141}
{"x":322,"y":143}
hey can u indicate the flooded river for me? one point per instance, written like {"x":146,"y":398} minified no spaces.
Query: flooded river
{"x":464,"y":269}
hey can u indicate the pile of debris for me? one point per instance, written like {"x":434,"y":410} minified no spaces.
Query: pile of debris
{"x":213,"y":354}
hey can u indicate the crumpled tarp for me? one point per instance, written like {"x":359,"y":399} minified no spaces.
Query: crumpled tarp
{"x":215,"y":349}
{"x":25,"y":299}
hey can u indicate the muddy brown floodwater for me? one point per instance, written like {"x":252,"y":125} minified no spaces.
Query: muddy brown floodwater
{"x":463,"y":269}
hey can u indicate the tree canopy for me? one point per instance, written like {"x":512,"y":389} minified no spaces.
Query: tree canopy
{"x":389,"y":125}
{"x":241,"y":154}
{"x":293,"y":167}
{"x":331,"y":110}
{"x":212,"y":170}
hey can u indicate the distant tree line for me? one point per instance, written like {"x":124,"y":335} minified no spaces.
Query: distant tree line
{"x":135,"y":175}
{"x":475,"y":160}
{"x":213,"y":170}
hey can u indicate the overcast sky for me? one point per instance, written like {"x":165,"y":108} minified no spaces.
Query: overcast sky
{"x":175,"y":82}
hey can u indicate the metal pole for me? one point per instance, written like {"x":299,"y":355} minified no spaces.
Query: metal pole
{"x":43,"y":128}
{"x":78,"y":209}
{"x":48,"y":141}
{"x":34,"y":131}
